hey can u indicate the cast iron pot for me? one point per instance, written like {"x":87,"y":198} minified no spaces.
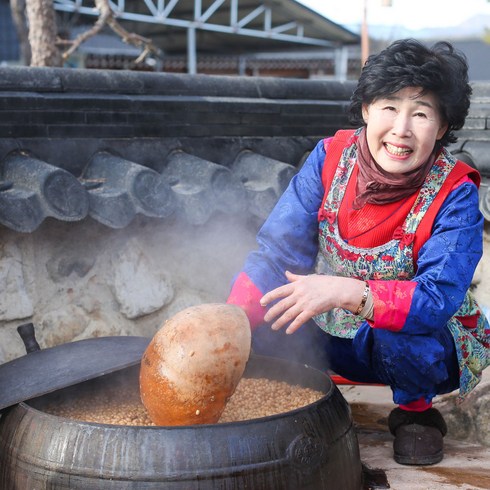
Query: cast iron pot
{"x":314,"y":447}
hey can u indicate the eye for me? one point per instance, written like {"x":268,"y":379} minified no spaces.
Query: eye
{"x":421,"y":114}
{"x":389,"y":108}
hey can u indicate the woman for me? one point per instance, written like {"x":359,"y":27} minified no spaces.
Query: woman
{"x":397,"y":224}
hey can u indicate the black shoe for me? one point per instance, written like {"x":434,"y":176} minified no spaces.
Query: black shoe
{"x":418,"y":436}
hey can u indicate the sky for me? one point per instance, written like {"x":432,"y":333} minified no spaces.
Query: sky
{"x":412,"y":14}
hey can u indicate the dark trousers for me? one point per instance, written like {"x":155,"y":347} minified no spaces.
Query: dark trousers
{"x":414,"y":366}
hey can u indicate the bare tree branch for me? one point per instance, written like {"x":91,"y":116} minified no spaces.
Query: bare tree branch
{"x":107,"y":17}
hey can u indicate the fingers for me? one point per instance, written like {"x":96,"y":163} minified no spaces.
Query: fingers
{"x":285,"y":300}
{"x":292,"y":304}
{"x":281,"y":291}
{"x":275,"y":294}
{"x":288,"y":309}
{"x":293,"y":316}
{"x":298,"y":322}
{"x":278,"y":310}
{"x":292,"y":277}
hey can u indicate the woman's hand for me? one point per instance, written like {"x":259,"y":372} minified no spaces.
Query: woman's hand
{"x":307,"y":296}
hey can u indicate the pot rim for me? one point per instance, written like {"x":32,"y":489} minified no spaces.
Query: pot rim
{"x":257,"y":362}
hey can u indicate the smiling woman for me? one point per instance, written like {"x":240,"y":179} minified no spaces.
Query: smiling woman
{"x":402,"y":129}
{"x":395,"y":220}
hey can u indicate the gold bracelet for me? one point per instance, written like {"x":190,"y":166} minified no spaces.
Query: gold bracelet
{"x":363,"y":300}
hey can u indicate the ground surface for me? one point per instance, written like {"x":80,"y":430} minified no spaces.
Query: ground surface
{"x":465,"y":466}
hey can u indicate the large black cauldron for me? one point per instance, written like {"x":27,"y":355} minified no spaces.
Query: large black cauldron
{"x":314,"y":447}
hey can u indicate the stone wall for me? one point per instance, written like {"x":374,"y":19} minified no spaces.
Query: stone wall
{"x":89,"y":158}
{"x":81,"y":280}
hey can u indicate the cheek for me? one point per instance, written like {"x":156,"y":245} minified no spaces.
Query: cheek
{"x":374,"y":134}
{"x":425,"y":150}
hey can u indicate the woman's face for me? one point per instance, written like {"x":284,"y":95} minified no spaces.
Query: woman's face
{"x":402,"y":129}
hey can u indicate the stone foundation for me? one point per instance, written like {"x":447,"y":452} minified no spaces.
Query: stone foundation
{"x":81,"y":280}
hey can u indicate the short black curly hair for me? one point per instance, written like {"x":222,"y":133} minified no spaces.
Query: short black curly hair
{"x":441,"y":70}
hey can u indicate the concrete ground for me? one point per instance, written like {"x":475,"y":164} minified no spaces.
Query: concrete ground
{"x":466,"y":465}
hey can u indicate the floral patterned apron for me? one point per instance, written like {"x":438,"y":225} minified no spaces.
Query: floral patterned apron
{"x":394,"y":261}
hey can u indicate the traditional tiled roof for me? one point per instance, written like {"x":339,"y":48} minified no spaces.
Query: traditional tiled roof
{"x":111,"y":145}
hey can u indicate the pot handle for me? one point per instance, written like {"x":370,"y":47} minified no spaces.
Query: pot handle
{"x":28,"y":335}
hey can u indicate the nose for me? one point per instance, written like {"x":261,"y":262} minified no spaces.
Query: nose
{"x":402,"y":125}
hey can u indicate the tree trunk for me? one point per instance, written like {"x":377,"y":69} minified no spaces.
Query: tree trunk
{"x":42,"y":33}
{"x":18,"y":10}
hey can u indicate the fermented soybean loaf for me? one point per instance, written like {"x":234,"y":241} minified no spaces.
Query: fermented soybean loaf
{"x":193,"y":364}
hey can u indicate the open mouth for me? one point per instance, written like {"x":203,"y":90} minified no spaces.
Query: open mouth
{"x":397,"y":150}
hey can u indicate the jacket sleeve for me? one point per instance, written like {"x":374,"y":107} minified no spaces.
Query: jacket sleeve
{"x":445,"y":269}
{"x":288,"y":239}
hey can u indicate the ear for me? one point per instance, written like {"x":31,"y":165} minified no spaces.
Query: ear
{"x":365,"y":113}
{"x":442,"y":130}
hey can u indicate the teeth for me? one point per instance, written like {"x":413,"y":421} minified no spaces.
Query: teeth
{"x":395,"y":150}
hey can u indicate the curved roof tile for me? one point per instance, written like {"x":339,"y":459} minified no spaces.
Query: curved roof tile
{"x":111,"y":145}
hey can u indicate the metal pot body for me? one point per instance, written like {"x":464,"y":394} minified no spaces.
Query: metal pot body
{"x":314,"y":447}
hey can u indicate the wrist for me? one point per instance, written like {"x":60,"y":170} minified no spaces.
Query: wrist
{"x":351,"y":293}
{"x":364,"y":299}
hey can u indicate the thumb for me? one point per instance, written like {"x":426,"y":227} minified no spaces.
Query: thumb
{"x":292,"y":277}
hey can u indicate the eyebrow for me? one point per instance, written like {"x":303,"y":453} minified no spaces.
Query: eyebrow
{"x":416,"y":99}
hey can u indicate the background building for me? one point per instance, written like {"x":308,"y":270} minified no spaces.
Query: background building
{"x":281,"y":38}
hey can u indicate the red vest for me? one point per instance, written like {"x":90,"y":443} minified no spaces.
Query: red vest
{"x":374,"y":224}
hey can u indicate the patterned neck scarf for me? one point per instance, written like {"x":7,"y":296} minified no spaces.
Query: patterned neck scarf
{"x":376,"y":186}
